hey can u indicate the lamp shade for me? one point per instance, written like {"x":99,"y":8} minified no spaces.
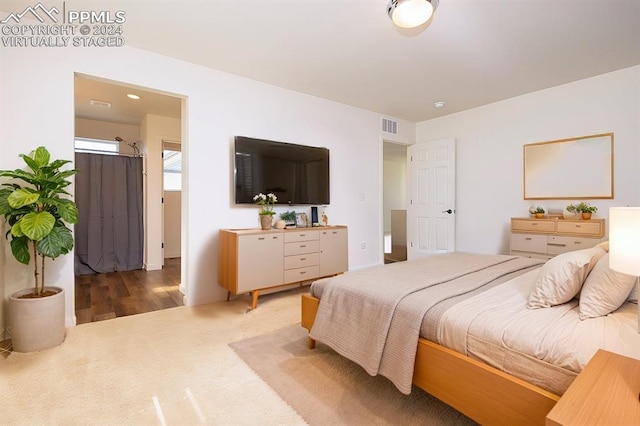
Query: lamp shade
{"x":624,"y":240}
{"x":411,"y":13}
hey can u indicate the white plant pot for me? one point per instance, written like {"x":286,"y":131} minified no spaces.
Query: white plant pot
{"x":36,"y":324}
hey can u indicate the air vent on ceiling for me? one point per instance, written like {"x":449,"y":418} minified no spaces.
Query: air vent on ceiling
{"x":389,"y":126}
{"x":100,"y":104}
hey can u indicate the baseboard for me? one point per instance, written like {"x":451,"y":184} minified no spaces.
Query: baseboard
{"x":152,"y":267}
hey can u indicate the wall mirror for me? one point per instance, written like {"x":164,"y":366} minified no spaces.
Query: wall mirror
{"x":575,"y":168}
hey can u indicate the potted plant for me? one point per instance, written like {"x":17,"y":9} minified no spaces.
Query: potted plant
{"x":569,"y":212}
{"x":33,"y":207}
{"x":266,"y":212}
{"x":289,"y":218}
{"x":586,"y":209}
{"x":537,"y":211}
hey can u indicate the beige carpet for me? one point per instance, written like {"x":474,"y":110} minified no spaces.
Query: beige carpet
{"x":327,"y":389}
{"x":172,"y":367}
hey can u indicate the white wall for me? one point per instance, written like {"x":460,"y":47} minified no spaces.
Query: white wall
{"x":172,"y":222}
{"x":155,"y":129}
{"x":37,"y":86}
{"x":106,"y":130}
{"x":489,"y":150}
{"x":395,"y":186}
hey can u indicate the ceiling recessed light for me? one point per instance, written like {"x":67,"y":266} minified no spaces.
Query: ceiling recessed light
{"x":132,"y":96}
{"x":439,"y":104}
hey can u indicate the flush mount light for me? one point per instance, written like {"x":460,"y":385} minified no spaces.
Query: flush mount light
{"x":439,"y":104}
{"x":132,"y":96}
{"x":411,"y":13}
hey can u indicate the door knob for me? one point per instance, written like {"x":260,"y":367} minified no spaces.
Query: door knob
{"x":447,"y":211}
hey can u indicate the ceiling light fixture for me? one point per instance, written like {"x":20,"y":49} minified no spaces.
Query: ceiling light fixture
{"x":132,"y":96}
{"x":411,"y":13}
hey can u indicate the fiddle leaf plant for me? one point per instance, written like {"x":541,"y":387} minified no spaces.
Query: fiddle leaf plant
{"x":35,"y":211}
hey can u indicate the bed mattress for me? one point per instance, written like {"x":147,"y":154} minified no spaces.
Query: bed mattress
{"x":546,"y":347}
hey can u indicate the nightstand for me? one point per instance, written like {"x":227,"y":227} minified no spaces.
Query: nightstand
{"x":604,"y":393}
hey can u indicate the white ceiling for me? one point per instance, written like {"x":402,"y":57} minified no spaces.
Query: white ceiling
{"x":123,"y":109}
{"x":472,"y":53}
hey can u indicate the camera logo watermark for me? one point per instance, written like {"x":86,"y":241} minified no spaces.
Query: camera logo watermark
{"x":60,"y":27}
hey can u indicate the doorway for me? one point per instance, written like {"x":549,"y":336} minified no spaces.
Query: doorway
{"x":139,"y":117}
{"x":394,"y":201}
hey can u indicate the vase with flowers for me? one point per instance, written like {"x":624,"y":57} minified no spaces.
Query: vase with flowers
{"x":266,"y":212}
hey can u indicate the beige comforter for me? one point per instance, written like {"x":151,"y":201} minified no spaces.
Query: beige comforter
{"x":373,"y":316}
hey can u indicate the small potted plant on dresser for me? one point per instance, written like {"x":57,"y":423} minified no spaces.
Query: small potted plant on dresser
{"x":586,"y":209}
{"x":35,"y":210}
{"x":537,"y":211}
{"x":289,"y":218}
{"x":266,"y":212}
{"x":570,"y":212}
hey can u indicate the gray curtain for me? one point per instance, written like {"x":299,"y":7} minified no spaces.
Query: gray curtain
{"x":109,"y":233}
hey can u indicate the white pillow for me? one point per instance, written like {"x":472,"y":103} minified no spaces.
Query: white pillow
{"x":604,"y":290}
{"x":561,"y":278}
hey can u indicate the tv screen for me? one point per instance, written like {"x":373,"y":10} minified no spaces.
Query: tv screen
{"x":296,"y":174}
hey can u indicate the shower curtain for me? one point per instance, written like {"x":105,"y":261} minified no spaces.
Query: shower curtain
{"x":109,"y":233}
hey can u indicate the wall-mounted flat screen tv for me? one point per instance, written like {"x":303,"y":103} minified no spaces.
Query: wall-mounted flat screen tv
{"x":296,"y":174}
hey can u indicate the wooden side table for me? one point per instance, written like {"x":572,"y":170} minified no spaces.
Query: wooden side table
{"x":606,"y":392}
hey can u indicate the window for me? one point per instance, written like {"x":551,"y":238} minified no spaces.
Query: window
{"x":97,"y":146}
{"x":172,"y":165}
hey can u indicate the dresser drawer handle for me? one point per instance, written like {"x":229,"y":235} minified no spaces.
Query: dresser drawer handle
{"x":534,"y":224}
{"x":578,"y":226}
{"x":303,"y":272}
{"x":577,"y":242}
{"x":556,"y":244}
{"x":303,"y":245}
{"x":303,"y":235}
{"x":302,"y":259}
{"x":261,"y":238}
{"x":528,"y":239}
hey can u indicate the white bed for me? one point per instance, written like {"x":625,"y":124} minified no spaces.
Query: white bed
{"x":544,"y":346}
{"x":547,"y":347}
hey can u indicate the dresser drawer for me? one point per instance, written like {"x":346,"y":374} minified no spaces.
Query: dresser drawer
{"x":301,"y":274}
{"x":529,"y":242}
{"x":301,"y":260}
{"x":585,"y":227}
{"x":561,"y":244}
{"x":302,"y":247}
{"x":532,"y":225}
{"x":294,"y":236}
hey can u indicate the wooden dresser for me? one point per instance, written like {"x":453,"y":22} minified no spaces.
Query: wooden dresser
{"x":545,"y":238}
{"x":252,"y":260}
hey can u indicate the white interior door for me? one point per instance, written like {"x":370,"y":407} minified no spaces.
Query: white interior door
{"x":432,"y":188}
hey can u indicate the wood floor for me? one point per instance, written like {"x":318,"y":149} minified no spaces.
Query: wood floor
{"x":118,"y":294}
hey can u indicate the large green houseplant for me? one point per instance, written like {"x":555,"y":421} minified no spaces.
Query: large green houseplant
{"x":33,"y":205}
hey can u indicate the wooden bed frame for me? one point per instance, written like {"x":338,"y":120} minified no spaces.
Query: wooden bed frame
{"x":481,"y":392}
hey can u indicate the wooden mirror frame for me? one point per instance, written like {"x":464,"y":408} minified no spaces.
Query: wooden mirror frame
{"x":575,"y":168}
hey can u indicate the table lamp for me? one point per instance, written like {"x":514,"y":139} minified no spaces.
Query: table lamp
{"x":624,"y":243}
